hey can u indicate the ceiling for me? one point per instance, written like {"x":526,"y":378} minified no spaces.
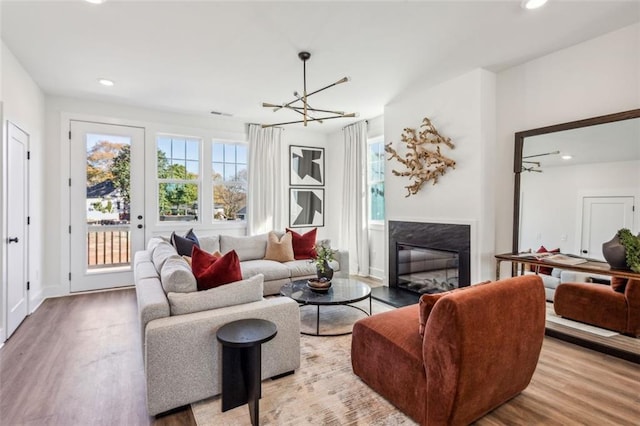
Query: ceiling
{"x":602,"y":143}
{"x":200,"y":56}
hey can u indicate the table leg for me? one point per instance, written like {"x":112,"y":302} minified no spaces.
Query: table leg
{"x":241,"y":377}
{"x":370,"y":306}
{"x":253,"y":372}
{"x":318,"y":321}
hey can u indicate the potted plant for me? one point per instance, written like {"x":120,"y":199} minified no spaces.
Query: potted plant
{"x":623,"y":251}
{"x":324,"y":255}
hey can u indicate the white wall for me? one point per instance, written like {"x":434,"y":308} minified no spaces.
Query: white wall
{"x":597,"y":77}
{"x":462,"y":109}
{"x":552,"y":201}
{"x":58,"y":112}
{"x":23,"y":105}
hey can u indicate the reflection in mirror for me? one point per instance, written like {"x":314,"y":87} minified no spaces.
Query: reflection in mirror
{"x":577,"y":187}
{"x":576,"y":184}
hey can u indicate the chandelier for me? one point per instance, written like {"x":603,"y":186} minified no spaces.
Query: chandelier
{"x":300,"y":104}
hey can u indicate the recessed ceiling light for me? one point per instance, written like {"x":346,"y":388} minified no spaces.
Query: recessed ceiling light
{"x":566,"y":157}
{"x":533,"y":4}
{"x":106,"y":82}
{"x":95,"y":1}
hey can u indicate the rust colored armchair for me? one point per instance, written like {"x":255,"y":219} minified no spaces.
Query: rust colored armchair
{"x":614,"y":307}
{"x":480,"y":348}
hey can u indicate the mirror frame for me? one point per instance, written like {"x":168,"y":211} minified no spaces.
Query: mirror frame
{"x":519,"y":145}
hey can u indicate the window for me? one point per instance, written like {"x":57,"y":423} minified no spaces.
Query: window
{"x":178,"y":173}
{"x":229,"y":174}
{"x":376,"y":179}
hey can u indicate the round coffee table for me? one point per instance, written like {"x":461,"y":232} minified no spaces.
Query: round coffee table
{"x":343,"y":291}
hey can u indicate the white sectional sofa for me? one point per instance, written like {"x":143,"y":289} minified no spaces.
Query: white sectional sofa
{"x":559,"y":276}
{"x":182,"y":357}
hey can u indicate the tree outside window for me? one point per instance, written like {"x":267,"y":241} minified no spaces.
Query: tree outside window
{"x":230,"y":180}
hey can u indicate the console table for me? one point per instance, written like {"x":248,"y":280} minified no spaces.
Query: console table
{"x":590,"y":267}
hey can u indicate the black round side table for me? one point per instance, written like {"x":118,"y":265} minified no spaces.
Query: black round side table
{"x":241,"y":363}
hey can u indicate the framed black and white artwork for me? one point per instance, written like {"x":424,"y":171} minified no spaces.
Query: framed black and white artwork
{"x":306,"y":166}
{"x":306,"y":207}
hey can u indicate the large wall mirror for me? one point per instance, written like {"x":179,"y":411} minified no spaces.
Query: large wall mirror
{"x":576,"y":184}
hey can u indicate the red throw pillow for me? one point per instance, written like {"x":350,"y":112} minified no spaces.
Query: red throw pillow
{"x":304,"y":246}
{"x":543,"y":269}
{"x":212,"y":271}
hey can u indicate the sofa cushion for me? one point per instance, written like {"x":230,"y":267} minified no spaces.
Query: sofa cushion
{"x":161,"y":253}
{"x":303,"y":268}
{"x":210,"y":244}
{"x":247,"y":248}
{"x":271,"y":269}
{"x":153,"y":243}
{"x":428,"y":301}
{"x":211,"y":271}
{"x":304,"y":245}
{"x":176,"y":276}
{"x":236,"y":293}
{"x":279,"y":249}
{"x":184,"y":244}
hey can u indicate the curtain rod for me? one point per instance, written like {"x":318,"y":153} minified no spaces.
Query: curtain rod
{"x":366,"y":121}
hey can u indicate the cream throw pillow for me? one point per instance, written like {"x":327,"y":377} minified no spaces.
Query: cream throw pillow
{"x":280,"y":250}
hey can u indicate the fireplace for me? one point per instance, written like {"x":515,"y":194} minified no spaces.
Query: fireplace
{"x":425,"y":258}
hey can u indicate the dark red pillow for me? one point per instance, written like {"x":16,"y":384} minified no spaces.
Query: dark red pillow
{"x":304,"y":246}
{"x":211,"y":271}
{"x":543,"y":269}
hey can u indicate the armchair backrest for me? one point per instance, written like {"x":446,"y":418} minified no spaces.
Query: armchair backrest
{"x":481,"y":347}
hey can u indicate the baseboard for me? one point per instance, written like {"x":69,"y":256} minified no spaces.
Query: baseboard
{"x":376,"y":273}
{"x":36,"y":301}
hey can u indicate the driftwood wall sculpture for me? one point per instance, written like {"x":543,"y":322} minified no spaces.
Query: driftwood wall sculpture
{"x":422,"y":164}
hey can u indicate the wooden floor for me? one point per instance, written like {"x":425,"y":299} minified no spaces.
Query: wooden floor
{"x":77,"y":361}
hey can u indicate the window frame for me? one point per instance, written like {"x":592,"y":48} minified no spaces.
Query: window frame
{"x":158,"y":181}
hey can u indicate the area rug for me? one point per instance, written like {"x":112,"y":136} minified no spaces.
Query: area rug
{"x":551,"y":316}
{"x":323,"y":391}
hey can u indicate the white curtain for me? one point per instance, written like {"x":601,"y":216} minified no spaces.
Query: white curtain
{"x":267,"y":202}
{"x":354,"y":220}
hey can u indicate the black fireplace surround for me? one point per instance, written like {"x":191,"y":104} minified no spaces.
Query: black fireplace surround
{"x":430,"y":237}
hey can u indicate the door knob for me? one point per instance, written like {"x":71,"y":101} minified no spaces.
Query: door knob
{"x":140,"y":226}
{"x":139,"y":217}
{"x":585,"y":251}
{"x":13,"y":240}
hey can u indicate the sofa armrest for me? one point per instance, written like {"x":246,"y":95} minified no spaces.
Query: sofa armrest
{"x":152,"y":302}
{"x":632,"y":294}
{"x":342,"y":256}
{"x":183,"y":357}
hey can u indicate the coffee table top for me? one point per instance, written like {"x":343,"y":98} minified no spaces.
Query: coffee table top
{"x":343,"y":291}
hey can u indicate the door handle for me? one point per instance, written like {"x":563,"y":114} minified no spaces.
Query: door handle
{"x":12,"y":240}
{"x":139,"y":217}
{"x":585,"y":251}
{"x":140,"y":226}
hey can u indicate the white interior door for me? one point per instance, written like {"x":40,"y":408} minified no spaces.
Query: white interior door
{"x":107,"y":204}
{"x":601,"y":219}
{"x":17,"y":189}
